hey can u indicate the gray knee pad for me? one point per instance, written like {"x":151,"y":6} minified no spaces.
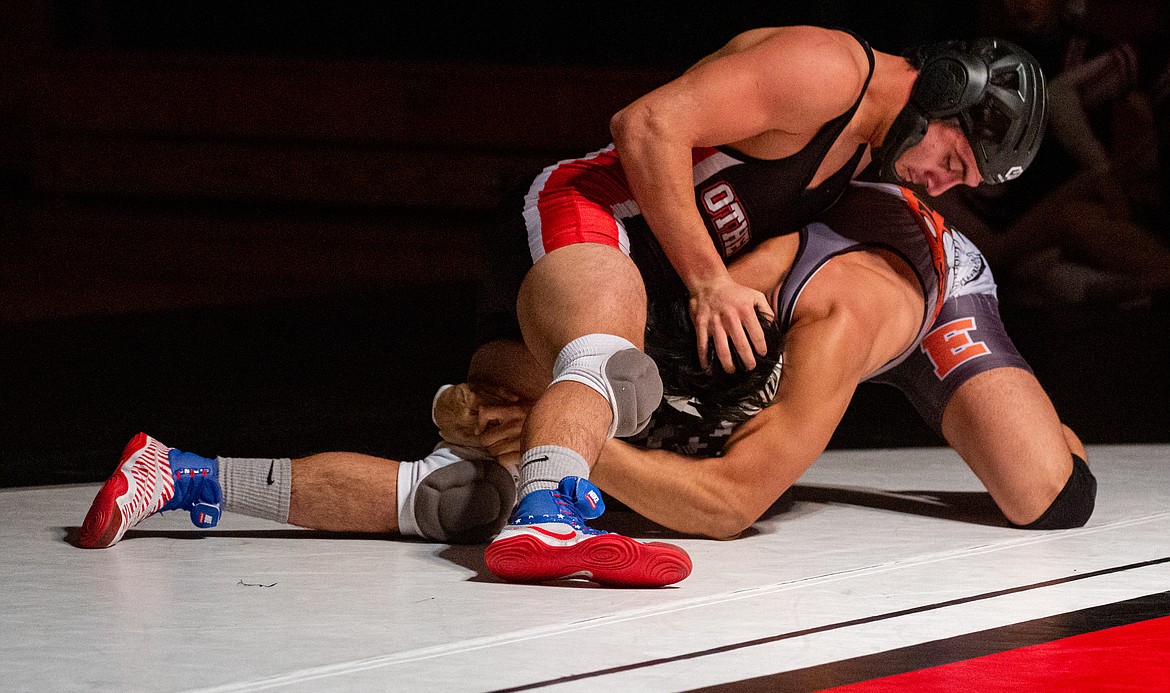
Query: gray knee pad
{"x":454,"y":494}
{"x":466,"y":502}
{"x":637,"y":390}
{"x":620,"y":372}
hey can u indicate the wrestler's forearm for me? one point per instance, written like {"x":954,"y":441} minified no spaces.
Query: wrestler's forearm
{"x":722,"y":496}
{"x":682,"y":493}
{"x":658,"y":165}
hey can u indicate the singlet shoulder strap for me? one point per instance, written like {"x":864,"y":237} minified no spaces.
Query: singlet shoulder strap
{"x":810,"y":156}
{"x":834,"y":127}
{"x":869,"y":55}
{"x":821,"y":142}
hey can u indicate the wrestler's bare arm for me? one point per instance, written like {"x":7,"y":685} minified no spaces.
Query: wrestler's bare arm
{"x":854,"y":316}
{"x":771,"y":93}
{"x":504,"y":380}
{"x":721,"y":496}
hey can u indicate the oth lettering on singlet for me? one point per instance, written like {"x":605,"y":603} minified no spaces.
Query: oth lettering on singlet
{"x":727,"y":216}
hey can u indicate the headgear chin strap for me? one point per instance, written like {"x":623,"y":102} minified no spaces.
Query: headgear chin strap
{"x":995,"y":90}
{"x":907,"y":130}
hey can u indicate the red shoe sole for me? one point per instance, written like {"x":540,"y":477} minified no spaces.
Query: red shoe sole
{"x":609,"y":559}
{"x":104,"y":518}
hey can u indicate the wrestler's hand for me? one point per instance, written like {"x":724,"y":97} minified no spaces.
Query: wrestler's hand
{"x":504,"y":441}
{"x":456,"y":412}
{"x":482,"y":416}
{"x":501,"y":423}
{"x":725,"y":312}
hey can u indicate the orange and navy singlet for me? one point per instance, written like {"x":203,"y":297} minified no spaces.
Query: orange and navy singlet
{"x":961,"y":334}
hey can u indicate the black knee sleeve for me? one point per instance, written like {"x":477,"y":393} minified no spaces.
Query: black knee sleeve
{"x":1074,"y":504}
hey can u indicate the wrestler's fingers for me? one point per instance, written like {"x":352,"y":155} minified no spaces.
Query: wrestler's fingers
{"x":702,"y":342}
{"x":506,"y":454}
{"x":505,"y":443}
{"x":506,"y":449}
{"x":492,"y":414}
{"x":740,"y":338}
{"x":489,"y":412}
{"x":504,"y":432}
{"x":723,"y":348}
{"x":756,"y":333}
{"x":764,"y":306}
{"x":509,"y":458}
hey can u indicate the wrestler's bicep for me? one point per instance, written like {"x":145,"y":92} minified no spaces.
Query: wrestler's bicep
{"x":793,"y":83}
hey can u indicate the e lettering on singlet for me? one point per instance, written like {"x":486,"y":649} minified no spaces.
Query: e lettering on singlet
{"x":731,"y":224}
{"x":950,"y":346}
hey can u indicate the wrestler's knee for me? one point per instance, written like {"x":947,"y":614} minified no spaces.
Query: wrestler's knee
{"x":1073,"y":505}
{"x":450,"y":499}
{"x":617,"y":370}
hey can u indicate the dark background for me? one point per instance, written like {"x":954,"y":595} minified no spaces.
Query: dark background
{"x":252,"y":228}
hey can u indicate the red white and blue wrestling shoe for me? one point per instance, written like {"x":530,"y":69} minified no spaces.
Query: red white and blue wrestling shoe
{"x":152,"y":478}
{"x":547,"y":540}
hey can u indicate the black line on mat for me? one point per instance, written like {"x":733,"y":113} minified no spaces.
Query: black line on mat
{"x":830,"y":627}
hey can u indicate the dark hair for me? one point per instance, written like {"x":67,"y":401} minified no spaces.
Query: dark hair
{"x":716,"y":394}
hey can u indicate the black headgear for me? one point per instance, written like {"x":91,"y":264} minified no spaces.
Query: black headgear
{"x":994,"y":88}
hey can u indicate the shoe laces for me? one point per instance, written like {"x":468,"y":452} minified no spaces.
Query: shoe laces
{"x":585,"y":497}
{"x":573,"y":502}
{"x":196,"y":488}
{"x":193,"y":486}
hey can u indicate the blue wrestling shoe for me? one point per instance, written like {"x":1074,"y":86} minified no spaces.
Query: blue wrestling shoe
{"x":547,"y":539}
{"x":152,"y":478}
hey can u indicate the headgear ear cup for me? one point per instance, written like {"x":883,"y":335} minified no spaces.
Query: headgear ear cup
{"x":949,"y":83}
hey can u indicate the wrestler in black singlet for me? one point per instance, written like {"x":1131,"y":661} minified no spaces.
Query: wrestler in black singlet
{"x":742,"y":200}
{"x":773,"y":195}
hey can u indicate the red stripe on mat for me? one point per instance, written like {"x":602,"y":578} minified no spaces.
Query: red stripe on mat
{"x":1133,"y":657}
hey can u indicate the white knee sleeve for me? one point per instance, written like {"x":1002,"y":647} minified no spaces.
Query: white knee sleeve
{"x":627,"y":378}
{"x":455,"y":495}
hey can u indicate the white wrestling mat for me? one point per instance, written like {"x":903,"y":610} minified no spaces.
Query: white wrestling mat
{"x":881,"y":550}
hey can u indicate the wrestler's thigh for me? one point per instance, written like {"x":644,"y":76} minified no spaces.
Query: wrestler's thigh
{"x":1005,"y":428}
{"x":580,"y":289}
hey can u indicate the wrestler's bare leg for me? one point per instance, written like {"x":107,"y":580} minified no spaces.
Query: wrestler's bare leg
{"x":452,"y":495}
{"x":581,"y":289}
{"x":351,"y":492}
{"x":338,"y":491}
{"x":344,"y":492}
{"x":575,"y":291}
{"x":1004,"y":426}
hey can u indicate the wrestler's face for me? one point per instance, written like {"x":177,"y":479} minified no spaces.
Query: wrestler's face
{"x":942,"y":160}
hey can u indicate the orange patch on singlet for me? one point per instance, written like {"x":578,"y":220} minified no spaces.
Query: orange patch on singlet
{"x":933,"y":227}
{"x":950,"y":345}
